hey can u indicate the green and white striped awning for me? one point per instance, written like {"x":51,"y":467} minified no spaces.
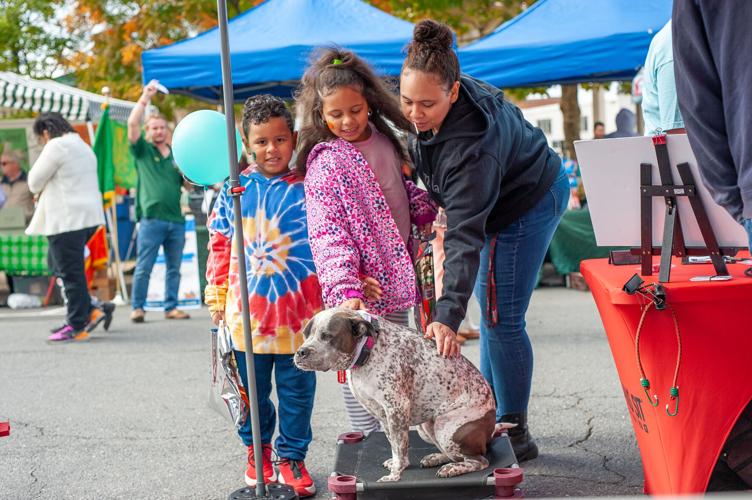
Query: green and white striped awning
{"x":20,"y":92}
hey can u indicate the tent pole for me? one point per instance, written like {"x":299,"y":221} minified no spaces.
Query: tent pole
{"x":111,"y":216}
{"x":236,"y":192}
{"x":118,"y":263}
{"x":90,"y":130}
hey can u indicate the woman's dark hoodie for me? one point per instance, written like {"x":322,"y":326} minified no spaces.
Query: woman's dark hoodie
{"x":486,"y":166}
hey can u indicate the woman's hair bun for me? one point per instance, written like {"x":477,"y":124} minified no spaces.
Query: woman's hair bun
{"x":432,"y":35}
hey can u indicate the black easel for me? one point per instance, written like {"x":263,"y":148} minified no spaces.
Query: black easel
{"x":673,"y":238}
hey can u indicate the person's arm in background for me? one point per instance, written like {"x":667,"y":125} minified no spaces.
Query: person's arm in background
{"x":701,"y":103}
{"x":668,"y":107}
{"x":44,"y":168}
{"x":137,"y":113}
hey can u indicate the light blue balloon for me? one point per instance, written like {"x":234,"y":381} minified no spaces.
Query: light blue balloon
{"x":199,"y":145}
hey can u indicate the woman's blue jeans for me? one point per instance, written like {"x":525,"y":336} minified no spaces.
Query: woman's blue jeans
{"x":506,"y":356}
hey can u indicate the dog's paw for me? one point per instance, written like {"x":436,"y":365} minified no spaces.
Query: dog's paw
{"x":450,"y":470}
{"x":389,"y":478}
{"x":434,"y":460}
{"x":388,"y":463}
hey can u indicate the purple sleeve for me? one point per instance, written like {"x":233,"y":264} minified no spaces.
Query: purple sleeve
{"x":422,"y":208}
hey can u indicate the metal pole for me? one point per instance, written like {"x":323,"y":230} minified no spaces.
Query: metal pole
{"x":236,"y":193}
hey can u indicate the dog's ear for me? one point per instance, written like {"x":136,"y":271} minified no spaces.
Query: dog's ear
{"x":308,"y":328}
{"x":361,"y":327}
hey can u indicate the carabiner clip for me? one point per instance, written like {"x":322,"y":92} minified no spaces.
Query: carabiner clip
{"x":645,"y":383}
{"x":674,"y":396}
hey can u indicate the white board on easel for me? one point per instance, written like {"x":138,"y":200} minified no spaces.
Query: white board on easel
{"x":610,"y":171}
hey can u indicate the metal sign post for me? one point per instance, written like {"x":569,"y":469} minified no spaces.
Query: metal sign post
{"x":236,"y":191}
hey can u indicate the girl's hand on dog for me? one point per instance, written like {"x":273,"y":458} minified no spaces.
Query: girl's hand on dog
{"x":354,"y":304}
{"x":371,"y":288}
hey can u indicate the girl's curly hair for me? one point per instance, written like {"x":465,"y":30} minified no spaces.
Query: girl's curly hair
{"x":330,"y":69}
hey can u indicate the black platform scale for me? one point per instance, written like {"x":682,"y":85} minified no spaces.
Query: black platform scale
{"x":364,"y":460}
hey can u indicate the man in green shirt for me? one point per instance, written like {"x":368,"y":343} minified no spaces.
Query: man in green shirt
{"x":161,"y":221}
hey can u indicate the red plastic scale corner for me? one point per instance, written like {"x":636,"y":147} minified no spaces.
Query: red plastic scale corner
{"x":4,"y":429}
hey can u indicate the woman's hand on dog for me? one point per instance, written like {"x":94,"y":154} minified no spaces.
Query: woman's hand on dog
{"x":446,"y":339}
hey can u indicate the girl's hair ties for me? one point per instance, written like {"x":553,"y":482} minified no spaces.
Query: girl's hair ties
{"x":336,"y":62}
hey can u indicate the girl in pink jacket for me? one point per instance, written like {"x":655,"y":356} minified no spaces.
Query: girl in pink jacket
{"x":360,"y":209}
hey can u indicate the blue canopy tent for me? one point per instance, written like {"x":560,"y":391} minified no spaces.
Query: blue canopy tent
{"x":271,"y":44}
{"x":567,"y":41}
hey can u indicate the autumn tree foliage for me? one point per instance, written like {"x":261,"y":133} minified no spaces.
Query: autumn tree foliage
{"x":118,"y":31}
{"x":470,"y":19}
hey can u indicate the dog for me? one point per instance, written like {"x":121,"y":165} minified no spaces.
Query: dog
{"x":400,"y":379}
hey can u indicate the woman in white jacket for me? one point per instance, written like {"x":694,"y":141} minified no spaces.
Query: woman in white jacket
{"x":68,"y":212}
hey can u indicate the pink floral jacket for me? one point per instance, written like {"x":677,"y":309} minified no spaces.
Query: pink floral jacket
{"x":352,"y":232}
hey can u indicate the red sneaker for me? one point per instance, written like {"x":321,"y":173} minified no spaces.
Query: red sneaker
{"x":294,"y":473}
{"x":270,"y":476}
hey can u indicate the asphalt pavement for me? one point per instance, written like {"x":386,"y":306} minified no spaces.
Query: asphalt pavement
{"x":126,"y":416}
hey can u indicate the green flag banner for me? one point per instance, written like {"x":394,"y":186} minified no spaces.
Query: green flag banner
{"x":125,"y":169}
{"x":103,"y":151}
{"x":115,"y":165}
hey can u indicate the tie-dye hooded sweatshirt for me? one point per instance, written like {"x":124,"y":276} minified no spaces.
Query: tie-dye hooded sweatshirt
{"x":283,"y":290}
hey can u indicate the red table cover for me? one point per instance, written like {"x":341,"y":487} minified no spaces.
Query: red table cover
{"x":715,"y":377}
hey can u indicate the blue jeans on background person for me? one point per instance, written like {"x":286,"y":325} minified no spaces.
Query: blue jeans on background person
{"x":747,"y":223}
{"x":295,"y":392}
{"x":506,"y":356}
{"x":153,"y":233}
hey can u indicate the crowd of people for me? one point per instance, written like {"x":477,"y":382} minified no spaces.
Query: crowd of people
{"x":337,"y":228}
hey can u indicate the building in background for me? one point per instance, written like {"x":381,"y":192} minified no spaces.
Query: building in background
{"x":543,"y":111}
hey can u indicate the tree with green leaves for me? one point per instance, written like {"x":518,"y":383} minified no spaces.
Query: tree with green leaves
{"x":33,"y":38}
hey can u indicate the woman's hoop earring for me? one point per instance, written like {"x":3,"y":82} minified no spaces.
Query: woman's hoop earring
{"x":369,"y":113}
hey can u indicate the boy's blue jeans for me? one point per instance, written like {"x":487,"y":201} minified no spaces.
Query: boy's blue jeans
{"x":748,"y":226}
{"x":506,"y":356}
{"x":295,"y":392}
{"x":153,"y":233}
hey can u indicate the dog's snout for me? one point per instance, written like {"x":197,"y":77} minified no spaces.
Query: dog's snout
{"x":303,"y":352}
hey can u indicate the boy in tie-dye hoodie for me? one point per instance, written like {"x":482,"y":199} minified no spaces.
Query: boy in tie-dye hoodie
{"x":284,"y":292}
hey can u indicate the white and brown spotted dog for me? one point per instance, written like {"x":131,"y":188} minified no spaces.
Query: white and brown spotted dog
{"x":401,"y":380}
